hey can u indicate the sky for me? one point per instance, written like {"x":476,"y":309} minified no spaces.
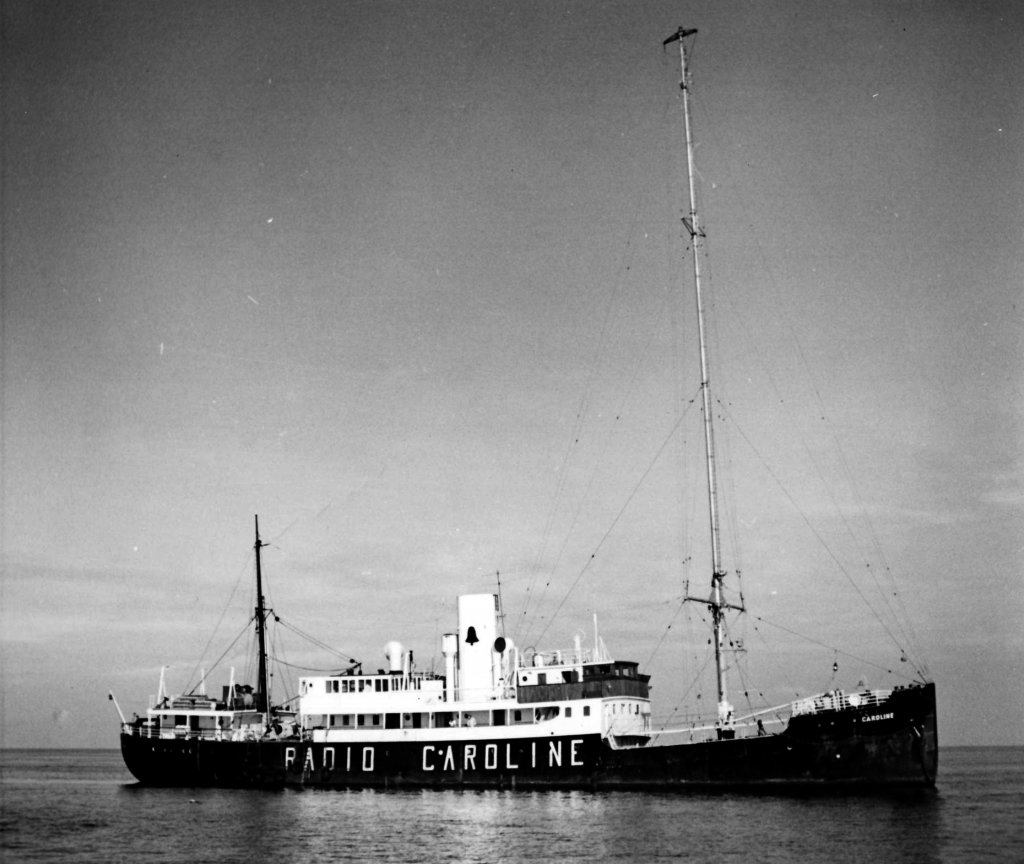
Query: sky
{"x":409,"y":282}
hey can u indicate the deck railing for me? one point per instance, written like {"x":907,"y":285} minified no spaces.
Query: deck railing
{"x":838,"y":701}
{"x":249,"y":733}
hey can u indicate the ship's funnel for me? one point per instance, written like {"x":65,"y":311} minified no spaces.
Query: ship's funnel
{"x":393,"y":651}
{"x":478,"y":620}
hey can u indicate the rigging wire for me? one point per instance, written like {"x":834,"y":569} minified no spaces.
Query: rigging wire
{"x":314,"y":640}
{"x":581,"y":411}
{"x":819,"y":538}
{"x":615,"y":521}
{"x":899,"y":616}
{"x":664,"y":635}
{"x":188,"y":687}
{"x":220,"y":620}
{"x":832,"y":647}
{"x":331,"y":671}
{"x":896,"y":619}
{"x":693,"y":683}
{"x":627,"y":391}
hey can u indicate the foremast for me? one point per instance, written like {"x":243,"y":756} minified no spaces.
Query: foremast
{"x":716,"y":604}
{"x":263,"y":689}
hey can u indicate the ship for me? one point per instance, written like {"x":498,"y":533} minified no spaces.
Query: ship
{"x":502,"y":717}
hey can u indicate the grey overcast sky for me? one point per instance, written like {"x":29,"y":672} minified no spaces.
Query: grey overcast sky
{"x":407,"y":280}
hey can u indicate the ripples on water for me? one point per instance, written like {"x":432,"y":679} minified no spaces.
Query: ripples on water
{"x":84,"y":806}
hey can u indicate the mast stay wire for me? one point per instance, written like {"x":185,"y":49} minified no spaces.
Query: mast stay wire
{"x":188,"y":686}
{"x":627,"y":391}
{"x":625,"y":262}
{"x":669,"y":294}
{"x":220,"y":620}
{"x":312,"y":639}
{"x":902,"y":620}
{"x":821,"y":540}
{"x":833,"y":648}
{"x":618,"y":516}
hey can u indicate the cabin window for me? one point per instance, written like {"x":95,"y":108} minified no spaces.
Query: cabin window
{"x":346,"y":719}
{"x":518,"y":716}
{"x":327,"y":686}
{"x":362,"y":684}
{"x":384,"y":685}
{"x":498,"y":718}
{"x":542,"y":677}
{"x":568,"y":712}
{"x":376,"y":720}
{"x":392,"y":721}
{"x":586,"y":710}
{"x":360,"y":720}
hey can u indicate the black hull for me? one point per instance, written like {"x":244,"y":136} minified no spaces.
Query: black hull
{"x":890,"y":746}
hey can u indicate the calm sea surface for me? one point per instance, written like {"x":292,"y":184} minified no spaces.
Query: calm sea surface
{"x":82,"y":805}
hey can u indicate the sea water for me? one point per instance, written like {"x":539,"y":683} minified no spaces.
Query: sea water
{"x":67,"y":805}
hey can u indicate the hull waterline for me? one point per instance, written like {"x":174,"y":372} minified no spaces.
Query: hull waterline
{"x":895,"y":746}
